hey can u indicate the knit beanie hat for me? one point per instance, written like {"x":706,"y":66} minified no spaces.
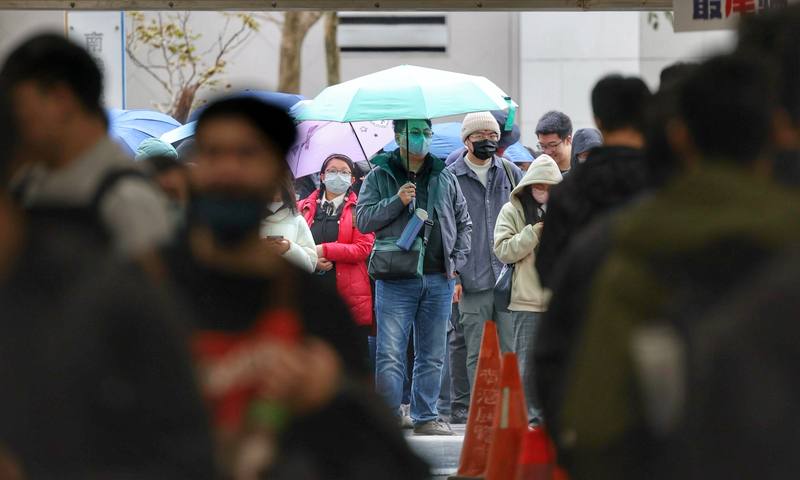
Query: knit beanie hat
{"x":153,"y":147}
{"x":475,"y":122}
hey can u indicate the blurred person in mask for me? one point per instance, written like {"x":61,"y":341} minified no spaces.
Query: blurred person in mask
{"x":611,"y":176}
{"x":516,"y":238}
{"x":99,"y":379}
{"x":656,"y":274}
{"x":283,"y":364}
{"x":486,"y":179}
{"x":415,"y":287}
{"x":583,"y":141}
{"x":161,"y":161}
{"x":342,"y":250}
{"x":286,"y":231}
{"x":554,"y":132}
{"x":73,"y":170}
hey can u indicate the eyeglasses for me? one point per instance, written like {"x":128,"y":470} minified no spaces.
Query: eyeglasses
{"x":416,"y":132}
{"x":337,"y":172}
{"x":478,"y":137}
{"x":549,"y":146}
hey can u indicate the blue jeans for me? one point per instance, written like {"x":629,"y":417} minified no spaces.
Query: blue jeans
{"x":423,"y":303}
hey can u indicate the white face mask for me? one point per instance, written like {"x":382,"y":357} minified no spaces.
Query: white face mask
{"x":337,"y":183}
{"x":540,"y":195}
{"x":275,"y":206}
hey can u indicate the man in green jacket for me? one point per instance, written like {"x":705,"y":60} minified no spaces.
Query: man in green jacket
{"x":409,"y":178}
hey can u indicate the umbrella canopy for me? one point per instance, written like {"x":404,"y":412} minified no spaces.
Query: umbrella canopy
{"x":181,"y":133}
{"x":278,"y":99}
{"x":405,"y":92}
{"x":318,"y":140}
{"x":517,"y":153}
{"x":447,"y":139}
{"x":130,"y":127}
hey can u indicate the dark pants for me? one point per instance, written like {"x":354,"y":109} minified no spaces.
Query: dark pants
{"x":457,"y":349}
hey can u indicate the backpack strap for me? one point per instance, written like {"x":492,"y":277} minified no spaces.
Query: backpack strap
{"x":509,"y":173}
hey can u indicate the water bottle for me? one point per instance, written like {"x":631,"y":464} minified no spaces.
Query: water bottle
{"x":406,"y":240}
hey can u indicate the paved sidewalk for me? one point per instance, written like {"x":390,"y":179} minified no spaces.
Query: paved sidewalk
{"x":442,"y":453}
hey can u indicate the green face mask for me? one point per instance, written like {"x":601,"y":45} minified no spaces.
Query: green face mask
{"x":417,"y":142}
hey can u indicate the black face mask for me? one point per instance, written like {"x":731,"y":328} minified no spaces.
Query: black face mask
{"x":484,"y":149}
{"x":231,"y":219}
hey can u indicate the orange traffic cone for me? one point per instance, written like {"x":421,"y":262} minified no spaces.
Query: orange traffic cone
{"x":536,"y":457}
{"x":484,"y":399}
{"x":511,"y":423}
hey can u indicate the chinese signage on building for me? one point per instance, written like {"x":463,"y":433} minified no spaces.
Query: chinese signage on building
{"x":696,"y":15}
{"x":103,"y":35}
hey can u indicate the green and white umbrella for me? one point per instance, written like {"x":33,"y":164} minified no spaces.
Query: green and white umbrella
{"x":405,"y":92}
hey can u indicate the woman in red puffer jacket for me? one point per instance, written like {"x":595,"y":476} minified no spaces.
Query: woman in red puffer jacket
{"x":342,"y":250}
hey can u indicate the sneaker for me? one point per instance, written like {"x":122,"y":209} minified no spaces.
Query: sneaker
{"x":405,"y":422}
{"x":459,"y":416}
{"x":434,"y":427}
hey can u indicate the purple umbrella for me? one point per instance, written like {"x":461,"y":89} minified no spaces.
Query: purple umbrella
{"x":318,"y":140}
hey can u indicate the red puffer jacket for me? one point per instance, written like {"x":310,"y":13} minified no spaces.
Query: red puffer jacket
{"x":350,"y":255}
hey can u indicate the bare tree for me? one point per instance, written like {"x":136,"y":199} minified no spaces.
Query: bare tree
{"x":171,"y":57}
{"x":293,"y":32}
{"x":333,"y":59}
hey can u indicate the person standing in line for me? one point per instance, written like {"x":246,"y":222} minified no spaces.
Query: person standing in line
{"x":516,"y":239}
{"x":285,"y":231}
{"x":487,"y":181}
{"x":554,"y":132}
{"x":421,"y":295}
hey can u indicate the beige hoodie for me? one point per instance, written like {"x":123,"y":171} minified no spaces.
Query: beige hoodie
{"x":515,"y":241}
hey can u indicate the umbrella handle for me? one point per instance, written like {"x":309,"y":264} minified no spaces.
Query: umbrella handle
{"x":512,"y":113}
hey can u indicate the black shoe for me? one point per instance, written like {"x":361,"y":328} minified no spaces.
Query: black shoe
{"x":459,"y":416}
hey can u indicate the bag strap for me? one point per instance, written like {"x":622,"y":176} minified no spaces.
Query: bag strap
{"x":433,"y":198}
{"x":509,"y":173}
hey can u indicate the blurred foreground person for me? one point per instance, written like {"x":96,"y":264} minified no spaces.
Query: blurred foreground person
{"x":72,"y":170}
{"x":562,"y":324}
{"x":98,"y":381}
{"x":342,"y":250}
{"x":611,"y":175}
{"x":516,"y":239}
{"x":776,"y":37}
{"x":282,"y":362}
{"x":674,"y":255}
{"x":728,"y":407}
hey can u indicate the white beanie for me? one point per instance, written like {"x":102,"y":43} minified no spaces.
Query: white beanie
{"x":475,"y":122}
{"x":543,"y":170}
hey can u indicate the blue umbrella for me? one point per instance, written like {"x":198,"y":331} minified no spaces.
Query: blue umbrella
{"x":130,"y":127}
{"x":282,"y":100}
{"x":517,"y":153}
{"x":447,"y":139}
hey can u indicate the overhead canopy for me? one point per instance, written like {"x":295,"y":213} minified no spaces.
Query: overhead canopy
{"x":340,"y":5}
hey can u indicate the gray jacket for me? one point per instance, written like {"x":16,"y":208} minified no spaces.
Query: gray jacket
{"x":380,"y":209}
{"x":484,"y":204}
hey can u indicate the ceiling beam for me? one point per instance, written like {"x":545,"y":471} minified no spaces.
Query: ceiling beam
{"x":341,"y":5}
